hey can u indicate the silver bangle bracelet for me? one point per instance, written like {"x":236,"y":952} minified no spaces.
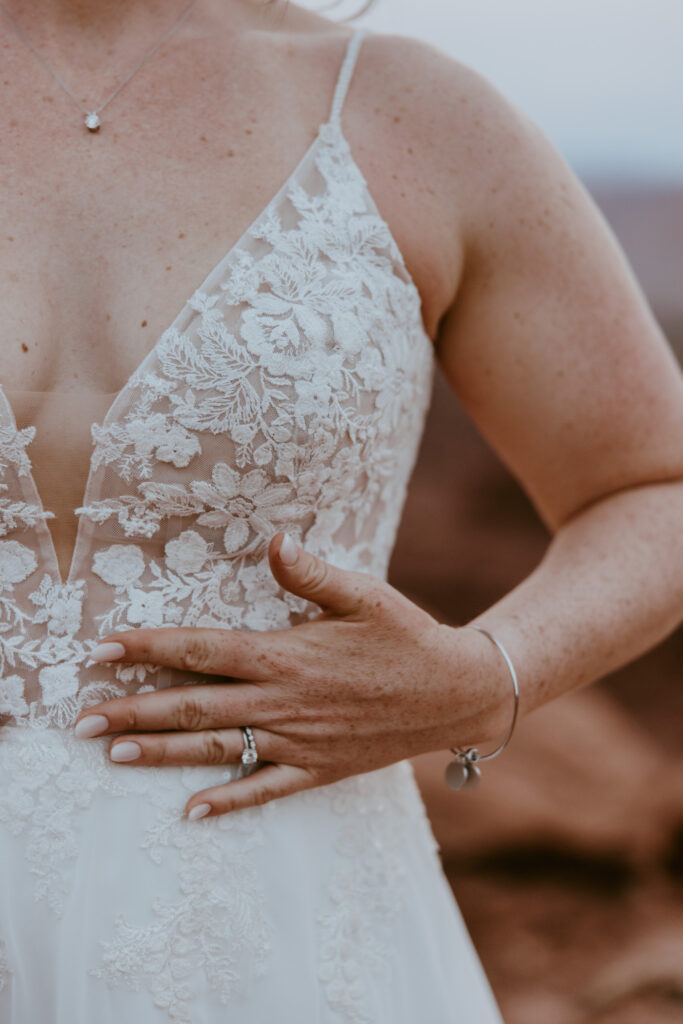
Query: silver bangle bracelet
{"x":463,"y":772}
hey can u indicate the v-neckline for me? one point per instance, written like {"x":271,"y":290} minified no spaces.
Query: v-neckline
{"x":327,"y":132}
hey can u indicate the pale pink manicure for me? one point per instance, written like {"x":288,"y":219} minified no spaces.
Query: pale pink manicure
{"x":108,"y":652}
{"x":91,"y":725}
{"x":289,"y":552}
{"x":125,"y":752}
{"x":198,"y":811}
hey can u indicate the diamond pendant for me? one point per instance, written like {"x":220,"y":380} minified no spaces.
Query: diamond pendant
{"x":92,"y":122}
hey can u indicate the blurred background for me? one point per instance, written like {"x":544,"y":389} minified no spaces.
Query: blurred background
{"x":567,"y":862}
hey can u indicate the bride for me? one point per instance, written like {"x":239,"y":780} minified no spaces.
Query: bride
{"x":238,"y":239}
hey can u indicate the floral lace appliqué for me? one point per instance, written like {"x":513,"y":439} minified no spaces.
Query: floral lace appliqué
{"x":216,"y":930}
{"x":217,"y":926}
{"x":380,"y":812}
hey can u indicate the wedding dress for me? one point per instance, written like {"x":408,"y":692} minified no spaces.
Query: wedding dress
{"x":289,"y":393}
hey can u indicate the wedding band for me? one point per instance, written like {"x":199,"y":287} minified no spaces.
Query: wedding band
{"x":249,"y":752}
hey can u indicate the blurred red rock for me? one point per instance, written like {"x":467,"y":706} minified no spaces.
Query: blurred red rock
{"x":580,"y":775}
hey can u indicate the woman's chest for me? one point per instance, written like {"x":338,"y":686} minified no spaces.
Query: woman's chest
{"x":100,"y":250}
{"x":106,"y":235}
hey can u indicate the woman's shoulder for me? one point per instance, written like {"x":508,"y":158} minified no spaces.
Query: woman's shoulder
{"x":431,"y":134}
{"x":406,"y":92}
{"x":457,"y":116}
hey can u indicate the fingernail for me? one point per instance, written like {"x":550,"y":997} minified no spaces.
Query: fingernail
{"x":198,"y":811}
{"x":125,"y":752}
{"x":289,"y":552}
{"x":91,"y":725}
{"x":108,"y":652}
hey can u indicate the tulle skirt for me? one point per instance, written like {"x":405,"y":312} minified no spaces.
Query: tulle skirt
{"x":327,"y":907}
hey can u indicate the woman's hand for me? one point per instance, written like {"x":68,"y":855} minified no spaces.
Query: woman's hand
{"x":370,"y":681}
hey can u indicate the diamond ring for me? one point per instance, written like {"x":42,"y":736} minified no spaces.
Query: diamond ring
{"x":249,"y":753}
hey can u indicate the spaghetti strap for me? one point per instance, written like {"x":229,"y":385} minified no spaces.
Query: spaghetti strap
{"x":345,"y":73}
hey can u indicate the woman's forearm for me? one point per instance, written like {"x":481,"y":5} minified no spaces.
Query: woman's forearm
{"x":609,"y":587}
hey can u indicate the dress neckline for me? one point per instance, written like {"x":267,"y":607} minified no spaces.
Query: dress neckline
{"x":329,"y":133}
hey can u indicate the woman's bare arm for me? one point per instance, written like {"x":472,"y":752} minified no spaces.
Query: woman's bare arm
{"x":553,"y":350}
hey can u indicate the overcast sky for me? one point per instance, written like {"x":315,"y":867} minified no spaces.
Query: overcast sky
{"x":602,"y":78}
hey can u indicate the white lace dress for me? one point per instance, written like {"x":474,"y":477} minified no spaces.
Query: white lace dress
{"x":290,"y":392}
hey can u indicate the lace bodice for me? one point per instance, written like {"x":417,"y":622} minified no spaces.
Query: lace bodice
{"x":289,"y":393}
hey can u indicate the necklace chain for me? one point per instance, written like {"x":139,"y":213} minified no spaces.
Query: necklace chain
{"x":92,"y":120}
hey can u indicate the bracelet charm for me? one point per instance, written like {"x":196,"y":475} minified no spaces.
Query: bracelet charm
{"x":463,"y":772}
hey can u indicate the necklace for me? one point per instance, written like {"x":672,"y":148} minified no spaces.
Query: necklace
{"x":92,"y":120}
